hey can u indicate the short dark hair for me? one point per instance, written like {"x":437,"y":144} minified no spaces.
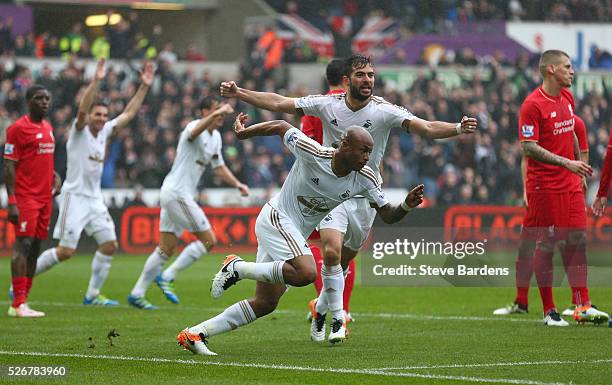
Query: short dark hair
{"x":33,"y":90}
{"x":354,"y":62}
{"x":98,"y":103}
{"x":552,"y":56}
{"x":334,"y":72}
{"x":208,"y":101}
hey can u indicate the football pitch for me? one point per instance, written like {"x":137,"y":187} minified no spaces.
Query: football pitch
{"x":401,"y":336}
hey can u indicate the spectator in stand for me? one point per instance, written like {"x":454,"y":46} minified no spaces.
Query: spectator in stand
{"x":167,"y":54}
{"x":193,"y":54}
{"x":6,"y":38}
{"x":70,"y":44}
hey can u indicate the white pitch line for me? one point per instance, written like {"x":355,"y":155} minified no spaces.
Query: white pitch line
{"x":493,"y":364}
{"x":423,"y":317}
{"x":285,"y":367}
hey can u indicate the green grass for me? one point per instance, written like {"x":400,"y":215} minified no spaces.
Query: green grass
{"x":392,"y":329}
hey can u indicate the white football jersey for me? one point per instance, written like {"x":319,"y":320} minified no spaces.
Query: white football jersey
{"x":86,"y":159}
{"x":312,"y":190}
{"x":378,"y":117}
{"x":192,"y":157}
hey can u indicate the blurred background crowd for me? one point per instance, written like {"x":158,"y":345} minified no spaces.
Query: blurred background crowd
{"x":483,"y":168}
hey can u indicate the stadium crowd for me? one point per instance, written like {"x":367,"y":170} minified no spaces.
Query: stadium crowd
{"x":482,"y":168}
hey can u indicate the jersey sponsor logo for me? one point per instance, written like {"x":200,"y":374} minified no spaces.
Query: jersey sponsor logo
{"x":345,"y":195}
{"x":46,"y":148}
{"x":334,"y":122}
{"x":312,"y":206}
{"x":315,"y":181}
{"x":9,"y":148}
{"x":563,"y":127}
{"x":527,"y":130}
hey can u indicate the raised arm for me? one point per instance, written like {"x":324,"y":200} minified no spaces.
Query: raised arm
{"x":440,"y":130}
{"x":209,"y":120}
{"x":147,"y":75}
{"x":90,"y":94}
{"x":534,"y":151}
{"x":266,"y":100}
{"x":394,"y":213}
{"x":273,"y":127}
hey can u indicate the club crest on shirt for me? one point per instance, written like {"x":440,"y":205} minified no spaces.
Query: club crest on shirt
{"x":527,"y":130}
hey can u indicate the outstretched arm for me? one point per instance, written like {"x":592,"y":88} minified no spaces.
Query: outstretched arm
{"x":440,"y":130}
{"x":394,"y":213}
{"x":147,"y":75}
{"x":273,"y":127}
{"x":228,"y":177}
{"x":88,"y":97}
{"x":209,"y":120}
{"x":266,"y":100}
{"x":535,"y":151}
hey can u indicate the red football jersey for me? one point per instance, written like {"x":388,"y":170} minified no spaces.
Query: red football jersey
{"x":581,"y":133}
{"x":31,"y":145}
{"x":312,"y":126}
{"x":549,"y":121}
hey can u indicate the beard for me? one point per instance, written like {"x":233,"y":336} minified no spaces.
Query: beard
{"x":355,"y":93}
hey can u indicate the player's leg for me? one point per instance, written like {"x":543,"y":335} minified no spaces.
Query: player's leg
{"x":239,"y":314}
{"x":348,"y":258}
{"x":575,"y":263}
{"x":192,"y":218}
{"x":524,"y":272}
{"x":152,"y":268}
{"x":292,"y":262}
{"x":548,"y":210}
{"x":30,"y":230}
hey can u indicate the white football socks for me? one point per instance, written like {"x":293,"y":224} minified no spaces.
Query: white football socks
{"x":271,"y":272}
{"x":191,"y":253}
{"x":46,"y":260}
{"x":151,"y":269}
{"x":239,"y":314}
{"x":331,"y":294}
{"x":100,"y":266}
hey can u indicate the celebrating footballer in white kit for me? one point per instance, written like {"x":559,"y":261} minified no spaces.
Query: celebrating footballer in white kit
{"x":81,"y":204}
{"x":320,"y":179}
{"x":199,"y":145}
{"x":344,"y":231}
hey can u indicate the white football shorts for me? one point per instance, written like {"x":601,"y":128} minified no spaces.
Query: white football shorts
{"x":353,"y":218}
{"x":180,"y":213}
{"x":278,"y":239}
{"x":81,"y":212}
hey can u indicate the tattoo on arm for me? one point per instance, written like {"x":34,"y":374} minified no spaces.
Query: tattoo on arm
{"x":539,"y":153}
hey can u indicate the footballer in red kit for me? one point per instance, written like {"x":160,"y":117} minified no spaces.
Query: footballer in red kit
{"x":555,"y":199}
{"x":31,"y":183}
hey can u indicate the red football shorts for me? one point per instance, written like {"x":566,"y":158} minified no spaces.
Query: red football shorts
{"x":551,"y":215}
{"x":314,"y":235}
{"x":34,"y":218}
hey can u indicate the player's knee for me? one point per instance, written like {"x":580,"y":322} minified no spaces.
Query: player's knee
{"x":576,"y":238}
{"x":64,"y":253}
{"x":108,"y":248}
{"x":526,"y":249}
{"x":210,"y":243}
{"x":545,"y":246}
{"x":331,"y":255}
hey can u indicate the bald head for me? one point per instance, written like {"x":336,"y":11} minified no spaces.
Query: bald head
{"x":355,"y":147}
{"x":357,"y":136}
